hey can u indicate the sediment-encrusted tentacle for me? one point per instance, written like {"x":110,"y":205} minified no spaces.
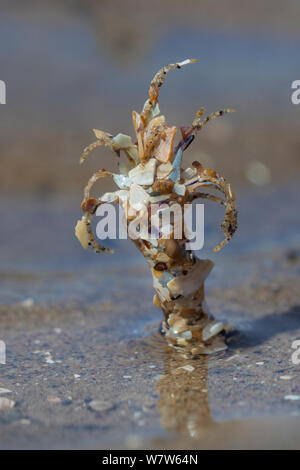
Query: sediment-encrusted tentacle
{"x":198,"y":123}
{"x":88,"y":149}
{"x":210,"y":197}
{"x":96,"y":176}
{"x":115,"y":143}
{"x":208,"y":176}
{"x":104,"y":138}
{"x":89,"y":206}
{"x":97,"y":248}
{"x":156,"y":84}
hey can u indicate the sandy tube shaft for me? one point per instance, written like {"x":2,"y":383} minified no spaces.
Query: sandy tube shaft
{"x":151,"y":173}
{"x":178,"y":279}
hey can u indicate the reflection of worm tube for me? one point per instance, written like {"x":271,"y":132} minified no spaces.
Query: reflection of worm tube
{"x":152,"y":173}
{"x":183,"y":398}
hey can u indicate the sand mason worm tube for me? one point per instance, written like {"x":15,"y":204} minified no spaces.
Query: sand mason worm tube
{"x":151,"y":172}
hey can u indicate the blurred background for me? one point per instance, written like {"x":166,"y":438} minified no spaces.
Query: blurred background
{"x":73,"y":65}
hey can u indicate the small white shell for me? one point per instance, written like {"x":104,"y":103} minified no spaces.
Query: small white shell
{"x":188,"y":284}
{"x":163,"y":292}
{"x":179,"y":189}
{"x":109,"y":197}
{"x":143,"y":174}
{"x":186,"y":334}
{"x":122,"y":141}
{"x":138,"y":198}
{"x":122,"y":181}
{"x":189,"y":173}
{"x":154,"y":111}
{"x":164,"y":170}
{"x":82,"y":234}
{"x":212,"y":329}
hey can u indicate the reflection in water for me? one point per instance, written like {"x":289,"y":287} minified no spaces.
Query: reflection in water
{"x":183,"y":396}
{"x":184,"y":408}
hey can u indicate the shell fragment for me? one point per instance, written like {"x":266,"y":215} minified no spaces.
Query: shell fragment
{"x":143,"y":174}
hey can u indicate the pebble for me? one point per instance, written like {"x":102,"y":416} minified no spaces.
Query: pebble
{"x":24,"y":421}
{"x":100,"y":405}
{"x":6,"y":403}
{"x":27,"y":303}
{"x":188,"y":367}
{"x":50,"y":361}
{"x":292,"y":397}
{"x":53,"y":399}
{"x":232,"y":357}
